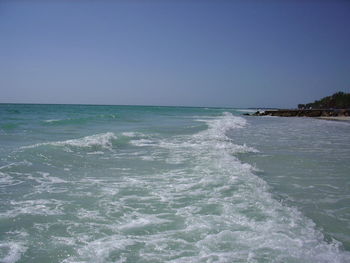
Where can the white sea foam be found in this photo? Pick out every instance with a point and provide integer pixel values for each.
(120, 169)
(5, 180)
(33, 207)
(103, 140)
(99, 250)
(218, 127)
(140, 222)
(13, 251)
(249, 220)
(140, 139)
(96, 153)
(130, 134)
(52, 120)
(46, 183)
(142, 142)
(50, 179)
(215, 137)
(147, 158)
(88, 214)
(24, 163)
(133, 134)
(197, 202)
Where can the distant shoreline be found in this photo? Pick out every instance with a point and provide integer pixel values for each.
(326, 114)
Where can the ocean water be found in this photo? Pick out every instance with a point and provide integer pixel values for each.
(171, 184)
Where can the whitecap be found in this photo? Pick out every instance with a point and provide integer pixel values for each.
(147, 158)
(130, 134)
(145, 220)
(103, 140)
(52, 120)
(99, 250)
(25, 163)
(96, 153)
(6, 180)
(142, 142)
(33, 207)
(14, 251)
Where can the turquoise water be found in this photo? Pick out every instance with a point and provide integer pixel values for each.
(171, 184)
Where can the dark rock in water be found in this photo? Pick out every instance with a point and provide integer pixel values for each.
(305, 113)
(258, 113)
(337, 105)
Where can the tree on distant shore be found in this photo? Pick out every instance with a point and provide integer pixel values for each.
(339, 100)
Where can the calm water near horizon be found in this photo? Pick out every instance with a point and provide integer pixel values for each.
(134, 184)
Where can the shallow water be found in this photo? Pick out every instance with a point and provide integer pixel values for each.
(170, 184)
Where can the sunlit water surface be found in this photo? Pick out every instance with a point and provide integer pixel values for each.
(171, 184)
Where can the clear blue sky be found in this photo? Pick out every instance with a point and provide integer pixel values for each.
(194, 53)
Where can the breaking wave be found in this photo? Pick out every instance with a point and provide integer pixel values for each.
(189, 199)
(102, 140)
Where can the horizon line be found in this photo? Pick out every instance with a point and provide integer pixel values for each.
(137, 105)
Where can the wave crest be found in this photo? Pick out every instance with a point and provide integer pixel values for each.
(216, 134)
(103, 140)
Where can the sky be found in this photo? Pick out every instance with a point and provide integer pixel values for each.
(183, 53)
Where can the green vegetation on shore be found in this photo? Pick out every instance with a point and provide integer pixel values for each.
(339, 100)
(337, 105)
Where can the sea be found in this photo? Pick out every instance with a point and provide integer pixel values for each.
(82, 183)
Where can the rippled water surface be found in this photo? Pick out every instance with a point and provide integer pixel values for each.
(171, 184)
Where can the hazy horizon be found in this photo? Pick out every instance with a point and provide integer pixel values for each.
(192, 54)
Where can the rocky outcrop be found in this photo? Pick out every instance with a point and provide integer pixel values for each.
(305, 113)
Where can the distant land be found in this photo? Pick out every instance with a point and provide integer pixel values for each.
(339, 100)
(336, 106)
